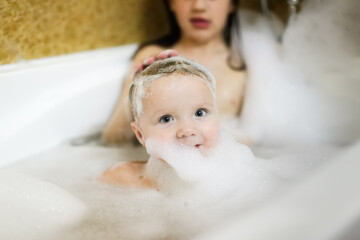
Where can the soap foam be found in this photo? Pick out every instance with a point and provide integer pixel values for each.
(306, 88)
(230, 169)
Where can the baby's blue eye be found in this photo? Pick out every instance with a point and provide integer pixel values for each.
(166, 119)
(200, 112)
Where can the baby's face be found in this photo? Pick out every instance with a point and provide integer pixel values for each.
(182, 110)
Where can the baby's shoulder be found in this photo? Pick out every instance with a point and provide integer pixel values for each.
(127, 174)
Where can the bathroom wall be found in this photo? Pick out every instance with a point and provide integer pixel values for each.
(31, 29)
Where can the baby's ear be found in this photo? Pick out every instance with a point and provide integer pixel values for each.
(136, 129)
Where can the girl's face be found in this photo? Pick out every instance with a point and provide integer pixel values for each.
(201, 20)
(179, 109)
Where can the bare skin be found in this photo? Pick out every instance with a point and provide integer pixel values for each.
(230, 86)
(128, 174)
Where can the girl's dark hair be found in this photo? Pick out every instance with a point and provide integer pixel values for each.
(232, 36)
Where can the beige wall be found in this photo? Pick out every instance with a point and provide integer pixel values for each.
(31, 29)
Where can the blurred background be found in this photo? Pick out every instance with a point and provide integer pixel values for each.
(31, 29)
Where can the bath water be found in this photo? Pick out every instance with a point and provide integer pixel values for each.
(196, 192)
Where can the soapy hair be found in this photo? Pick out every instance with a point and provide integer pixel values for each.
(161, 68)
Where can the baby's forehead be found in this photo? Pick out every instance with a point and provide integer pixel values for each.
(168, 92)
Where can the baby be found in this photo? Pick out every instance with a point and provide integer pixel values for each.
(173, 101)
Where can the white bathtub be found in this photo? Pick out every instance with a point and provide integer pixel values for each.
(46, 102)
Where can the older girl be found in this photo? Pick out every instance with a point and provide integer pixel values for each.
(203, 30)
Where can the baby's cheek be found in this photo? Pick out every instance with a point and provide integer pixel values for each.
(213, 135)
(161, 135)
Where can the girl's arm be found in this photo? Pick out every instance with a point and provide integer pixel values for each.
(118, 128)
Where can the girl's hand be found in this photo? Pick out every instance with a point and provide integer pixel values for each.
(150, 60)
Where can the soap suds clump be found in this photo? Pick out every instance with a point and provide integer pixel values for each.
(230, 169)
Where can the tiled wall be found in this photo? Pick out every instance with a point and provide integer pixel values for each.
(31, 29)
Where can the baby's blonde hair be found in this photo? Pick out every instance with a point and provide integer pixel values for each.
(162, 68)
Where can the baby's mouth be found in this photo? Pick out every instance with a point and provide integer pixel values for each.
(197, 146)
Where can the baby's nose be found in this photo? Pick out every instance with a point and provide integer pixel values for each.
(186, 130)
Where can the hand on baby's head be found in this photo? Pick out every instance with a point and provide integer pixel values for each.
(150, 60)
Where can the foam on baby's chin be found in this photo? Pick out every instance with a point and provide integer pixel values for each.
(187, 161)
(230, 167)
